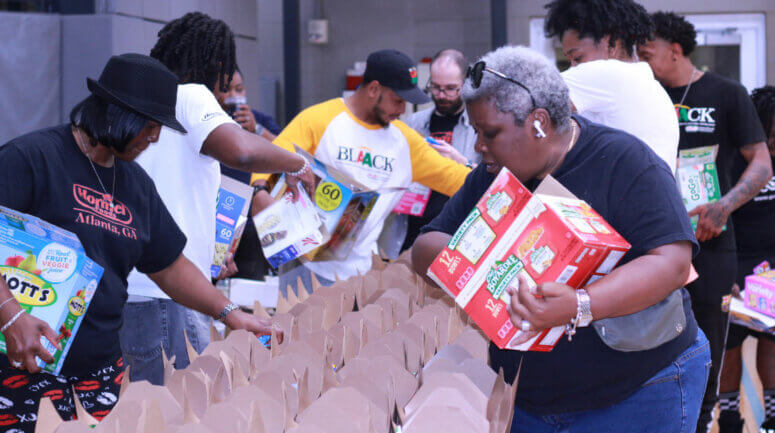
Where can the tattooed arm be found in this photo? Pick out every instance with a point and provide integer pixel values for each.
(713, 216)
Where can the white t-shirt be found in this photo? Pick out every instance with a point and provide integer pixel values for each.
(625, 95)
(187, 180)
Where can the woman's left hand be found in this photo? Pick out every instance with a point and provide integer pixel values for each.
(547, 306)
(239, 319)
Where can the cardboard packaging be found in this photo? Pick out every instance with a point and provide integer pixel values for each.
(760, 290)
(697, 177)
(343, 204)
(547, 236)
(231, 214)
(50, 275)
(414, 201)
(288, 229)
(741, 314)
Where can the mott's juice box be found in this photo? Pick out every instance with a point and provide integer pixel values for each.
(697, 177)
(49, 274)
(546, 236)
(230, 218)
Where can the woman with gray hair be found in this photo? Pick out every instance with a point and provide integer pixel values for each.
(637, 361)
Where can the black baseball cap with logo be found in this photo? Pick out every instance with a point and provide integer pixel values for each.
(396, 71)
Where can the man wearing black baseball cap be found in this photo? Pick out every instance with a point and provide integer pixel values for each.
(361, 136)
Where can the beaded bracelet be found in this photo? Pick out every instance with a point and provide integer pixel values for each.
(302, 170)
(10, 322)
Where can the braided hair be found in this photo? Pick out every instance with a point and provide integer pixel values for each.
(198, 49)
(622, 20)
(764, 101)
(675, 29)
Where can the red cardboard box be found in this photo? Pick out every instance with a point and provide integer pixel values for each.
(547, 236)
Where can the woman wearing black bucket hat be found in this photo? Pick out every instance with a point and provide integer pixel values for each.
(82, 178)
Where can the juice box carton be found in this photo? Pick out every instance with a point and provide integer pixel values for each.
(50, 275)
(343, 204)
(288, 229)
(546, 236)
(760, 290)
(230, 217)
(697, 177)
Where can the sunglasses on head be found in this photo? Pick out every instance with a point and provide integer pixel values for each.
(476, 71)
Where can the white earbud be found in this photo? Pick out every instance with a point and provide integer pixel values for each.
(541, 133)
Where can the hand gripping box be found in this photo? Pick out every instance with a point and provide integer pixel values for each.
(547, 236)
(231, 214)
(697, 177)
(49, 274)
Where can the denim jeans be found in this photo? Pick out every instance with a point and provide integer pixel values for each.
(150, 324)
(289, 276)
(669, 402)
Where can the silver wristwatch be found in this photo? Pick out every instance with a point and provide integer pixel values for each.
(226, 310)
(584, 311)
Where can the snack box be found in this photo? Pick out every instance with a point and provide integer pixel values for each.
(697, 177)
(760, 290)
(231, 214)
(288, 229)
(49, 274)
(414, 200)
(547, 236)
(343, 204)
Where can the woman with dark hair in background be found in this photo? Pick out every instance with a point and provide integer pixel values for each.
(185, 169)
(122, 224)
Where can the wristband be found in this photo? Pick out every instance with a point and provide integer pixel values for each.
(302, 170)
(259, 129)
(11, 322)
(583, 313)
(226, 310)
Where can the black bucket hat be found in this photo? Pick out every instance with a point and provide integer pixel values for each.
(141, 84)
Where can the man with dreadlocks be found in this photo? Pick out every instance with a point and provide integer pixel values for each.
(714, 114)
(185, 168)
(606, 84)
(755, 243)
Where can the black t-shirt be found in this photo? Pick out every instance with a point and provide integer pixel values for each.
(632, 189)
(717, 111)
(753, 220)
(441, 128)
(44, 174)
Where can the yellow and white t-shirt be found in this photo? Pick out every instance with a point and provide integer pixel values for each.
(377, 157)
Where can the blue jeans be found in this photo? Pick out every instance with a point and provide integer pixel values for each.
(289, 276)
(148, 326)
(669, 402)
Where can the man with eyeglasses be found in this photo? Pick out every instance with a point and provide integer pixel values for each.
(446, 123)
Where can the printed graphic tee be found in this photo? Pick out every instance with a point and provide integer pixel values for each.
(718, 111)
(187, 181)
(45, 174)
(378, 157)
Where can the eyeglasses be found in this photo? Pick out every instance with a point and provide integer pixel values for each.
(438, 90)
(476, 71)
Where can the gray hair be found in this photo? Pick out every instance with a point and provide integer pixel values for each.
(533, 70)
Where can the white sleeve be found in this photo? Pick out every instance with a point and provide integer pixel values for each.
(200, 114)
(590, 87)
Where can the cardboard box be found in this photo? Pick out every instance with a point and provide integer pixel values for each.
(288, 229)
(414, 201)
(231, 214)
(697, 177)
(49, 274)
(546, 236)
(343, 204)
(741, 314)
(760, 290)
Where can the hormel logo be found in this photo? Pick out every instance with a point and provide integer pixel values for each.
(413, 75)
(95, 202)
(365, 157)
(502, 274)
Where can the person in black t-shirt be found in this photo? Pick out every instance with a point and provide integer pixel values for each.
(755, 243)
(81, 177)
(712, 111)
(520, 107)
